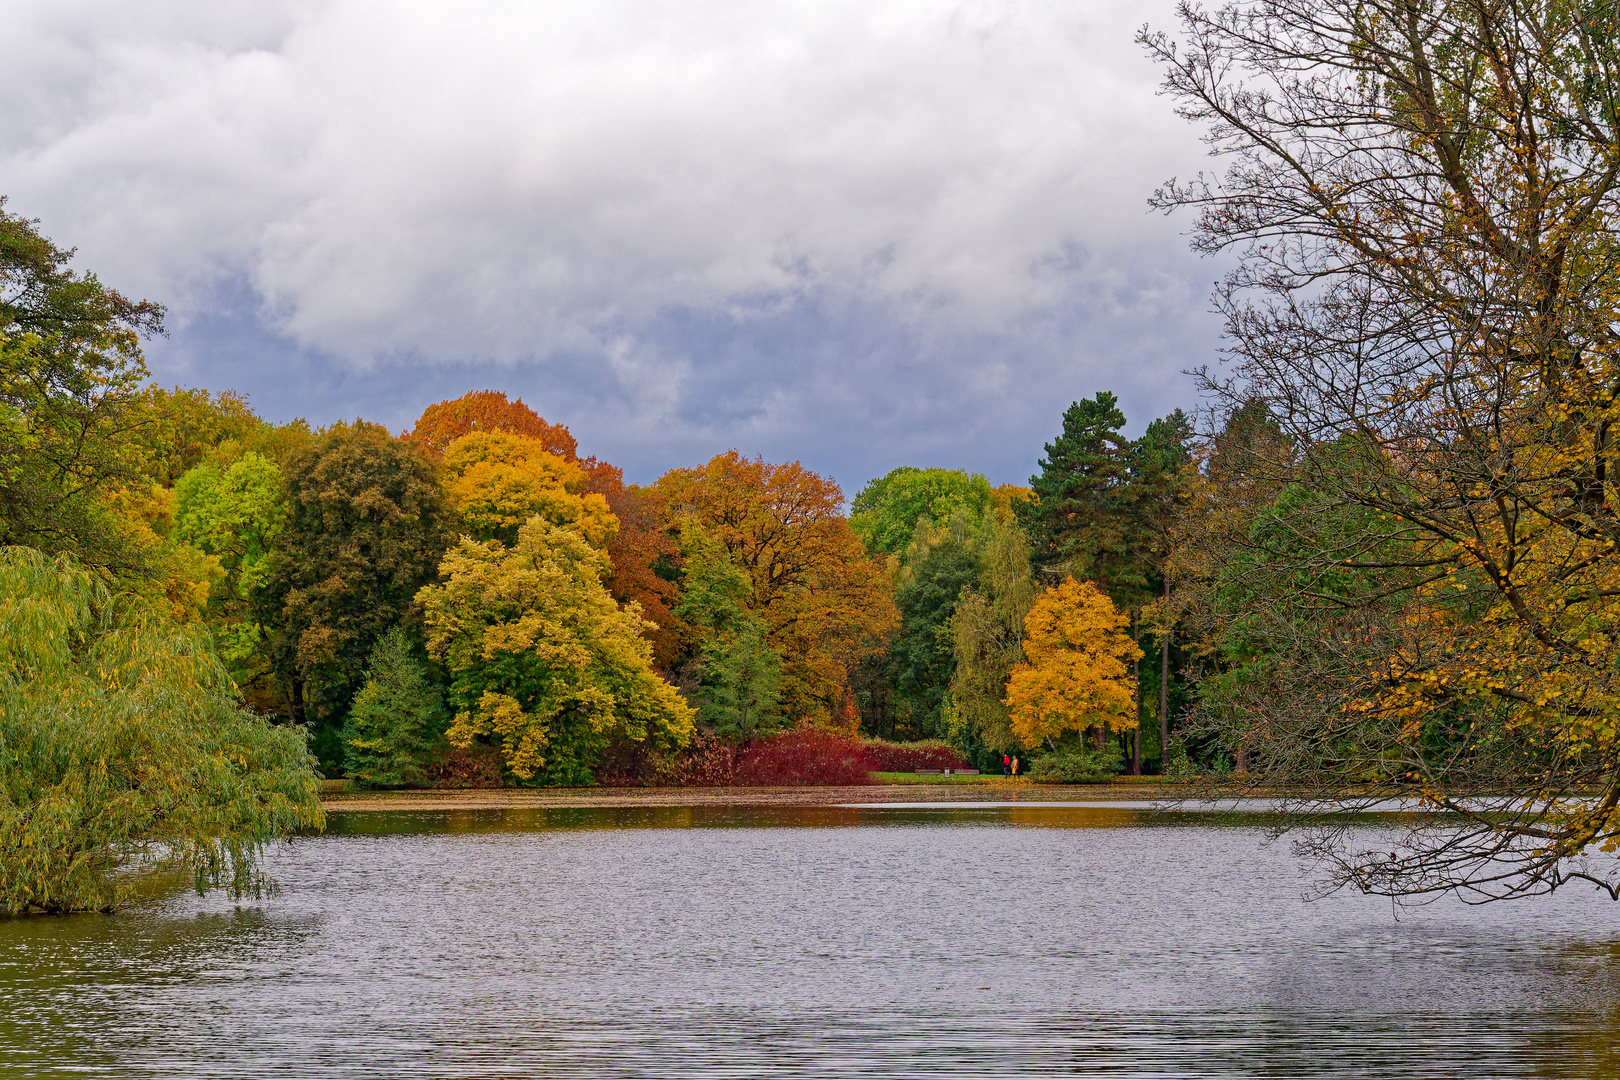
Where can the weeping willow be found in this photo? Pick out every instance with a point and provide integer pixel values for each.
(124, 750)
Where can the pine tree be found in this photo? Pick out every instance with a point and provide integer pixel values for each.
(1082, 521)
(397, 720)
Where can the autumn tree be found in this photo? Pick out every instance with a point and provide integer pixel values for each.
(488, 410)
(1422, 200)
(1076, 674)
(174, 430)
(543, 663)
(365, 528)
(645, 558)
(497, 481)
(823, 599)
(642, 552)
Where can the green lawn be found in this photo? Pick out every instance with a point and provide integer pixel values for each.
(913, 778)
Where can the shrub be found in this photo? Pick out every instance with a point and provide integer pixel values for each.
(1085, 765)
(464, 767)
(884, 756)
(804, 757)
(712, 762)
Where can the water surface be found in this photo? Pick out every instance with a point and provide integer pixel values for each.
(808, 942)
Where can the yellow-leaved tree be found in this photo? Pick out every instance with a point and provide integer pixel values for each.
(1077, 675)
(497, 481)
(543, 663)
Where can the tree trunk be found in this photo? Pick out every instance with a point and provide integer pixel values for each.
(1164, 687)
(1136, 698)
(295, 700)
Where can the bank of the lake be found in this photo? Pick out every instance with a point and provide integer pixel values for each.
(966, 789)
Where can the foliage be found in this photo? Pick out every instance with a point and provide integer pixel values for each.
(542, 662)
(802, 758)
(497, 481)
(640, 550)
(1423, 200)
(939, 564)
(122, 746)
(235, 514)
(487, 410)
(825, 604)
(397, 720)
(472, 766)
(711, 761)
(644, 558)
(883, 756)
(740, 676)
(1082, 519)
(987, 632)
(1080, 764)
(365, 528)
(70, 370)
(1076, 676)
(886, 511)
(176, 429)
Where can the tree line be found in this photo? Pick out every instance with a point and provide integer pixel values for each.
(473, 593)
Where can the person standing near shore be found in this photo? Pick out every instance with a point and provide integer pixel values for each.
(1006, 765)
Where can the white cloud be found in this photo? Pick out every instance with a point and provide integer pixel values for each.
(410, 182)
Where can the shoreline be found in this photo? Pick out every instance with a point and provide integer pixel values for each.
(537, 798)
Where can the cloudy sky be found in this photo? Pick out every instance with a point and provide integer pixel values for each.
(860, 233)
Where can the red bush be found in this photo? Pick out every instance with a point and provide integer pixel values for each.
(884, 756)
(806, 757)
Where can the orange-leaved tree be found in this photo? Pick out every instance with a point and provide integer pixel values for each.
(496, 481)
(488, 410)
(1077, 675)
(638, 552)
(825, 602)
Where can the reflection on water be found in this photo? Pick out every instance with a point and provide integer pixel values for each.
(816, 942)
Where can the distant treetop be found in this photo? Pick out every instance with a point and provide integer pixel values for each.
(488, 410)
(886, 510)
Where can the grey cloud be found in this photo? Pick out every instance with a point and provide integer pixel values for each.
(861, 234)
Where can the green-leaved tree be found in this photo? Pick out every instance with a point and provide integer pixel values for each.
(739, 688)
(366, 526)
(885, 512)
(124, 749)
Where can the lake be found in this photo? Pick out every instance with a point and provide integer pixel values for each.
(872, 941)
